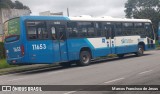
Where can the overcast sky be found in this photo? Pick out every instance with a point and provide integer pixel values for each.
(114, 8)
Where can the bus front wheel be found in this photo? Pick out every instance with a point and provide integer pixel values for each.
(140, 50)
(85, 58)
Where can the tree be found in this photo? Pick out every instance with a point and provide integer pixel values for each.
(5, 3)
(19, 5)
(144, 9)
(10, 4)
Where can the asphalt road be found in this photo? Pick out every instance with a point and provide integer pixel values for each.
(130, 70)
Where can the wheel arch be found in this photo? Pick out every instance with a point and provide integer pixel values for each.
(86, 49)
(142, 44)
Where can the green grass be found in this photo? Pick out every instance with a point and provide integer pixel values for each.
(4, 64)
(157, 45)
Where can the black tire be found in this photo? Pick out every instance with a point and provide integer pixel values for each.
(120, 55)
(85, 58)
(140, 51)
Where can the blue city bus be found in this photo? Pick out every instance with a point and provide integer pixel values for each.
(64, 40)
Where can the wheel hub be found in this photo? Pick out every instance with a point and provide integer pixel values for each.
(85, 59)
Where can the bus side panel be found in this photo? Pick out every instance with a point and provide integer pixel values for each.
(41, 52)
(101, 46)
(126, 44)
(13, 52)
(74, 47)
(97, 46)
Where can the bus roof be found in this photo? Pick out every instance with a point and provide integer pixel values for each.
(44, 18)
(107, 18)
(84, 18)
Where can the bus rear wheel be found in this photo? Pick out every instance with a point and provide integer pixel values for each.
(140, 50)
(85, 58)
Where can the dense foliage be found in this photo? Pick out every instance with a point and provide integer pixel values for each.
(144, 9)
(12, 5)
(2, 51)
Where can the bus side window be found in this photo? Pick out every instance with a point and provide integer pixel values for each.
(149, 30)
(31, 33)
(45, 34)
(61, 33)
(118, 29)
(127, 28)
(36, 30)
(84, 32)
(98, 27)
(109, 31)
(40, 33)
(31, 30)
(53, 31)
(86, 29)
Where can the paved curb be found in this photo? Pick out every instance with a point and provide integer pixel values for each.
(25, 68)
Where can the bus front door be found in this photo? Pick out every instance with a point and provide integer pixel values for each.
(109, 29)
(59, 43)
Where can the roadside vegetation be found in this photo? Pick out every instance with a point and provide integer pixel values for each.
(4, 64)
(157, 45)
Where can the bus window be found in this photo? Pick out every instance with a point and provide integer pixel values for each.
(149, 30)
(36, 30)
(58, 32)
(40, 33)
(98, 27)
(12, 30)
(91, 32)
(86, 29)
(127, 29)
(118, 28)
(61, 33)
(109, 30)
(32, 33)
(84, 32)
(72, 29)
(53, 31)
(75, 32)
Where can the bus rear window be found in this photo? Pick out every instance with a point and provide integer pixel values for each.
(12, 30)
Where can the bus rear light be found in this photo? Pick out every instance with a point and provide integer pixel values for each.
(22, 50)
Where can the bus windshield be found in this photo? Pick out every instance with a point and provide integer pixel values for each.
(12, 30)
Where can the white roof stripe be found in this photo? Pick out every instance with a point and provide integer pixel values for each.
(87, 18)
